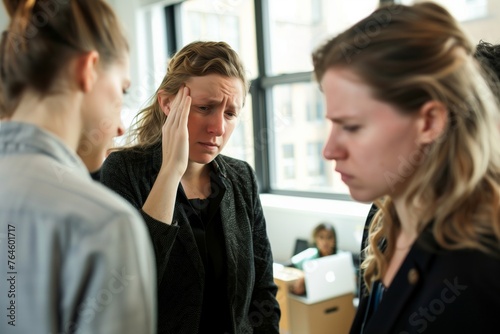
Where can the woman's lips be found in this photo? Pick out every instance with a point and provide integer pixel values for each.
(209, 145)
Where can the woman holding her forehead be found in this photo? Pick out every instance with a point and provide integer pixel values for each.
(414, 130)
(202, 209)
(76, 258)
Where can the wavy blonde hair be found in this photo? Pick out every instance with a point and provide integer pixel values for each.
(196, 59)
(410, 55)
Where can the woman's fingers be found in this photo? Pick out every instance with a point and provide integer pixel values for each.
(175, 139)
(183, 108)
(180, 107)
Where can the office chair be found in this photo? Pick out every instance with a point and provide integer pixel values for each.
(300, 245)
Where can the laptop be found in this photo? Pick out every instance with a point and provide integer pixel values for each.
(328, 277)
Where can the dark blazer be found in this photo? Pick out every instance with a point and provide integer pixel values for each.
(437, 291)
(364, 242)
(251, 288)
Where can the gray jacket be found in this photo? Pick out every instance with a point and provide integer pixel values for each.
(251, 288)
(76, 258)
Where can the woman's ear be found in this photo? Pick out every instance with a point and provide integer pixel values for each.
(86, 70)
(433, 119)
(164, 102)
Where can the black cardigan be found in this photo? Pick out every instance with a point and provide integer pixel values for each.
(251, 289)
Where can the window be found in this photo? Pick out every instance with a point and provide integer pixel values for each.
(231, 21)
(152, 56)
(288, 162)
(292, 30)
(282, 129)
(315, 112)
(296, 27)
(315, 162)
(463, 10)
(296, 110)
(477, 17)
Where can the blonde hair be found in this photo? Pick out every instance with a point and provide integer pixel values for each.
(193, 60)
(44, 35)
(410, 55)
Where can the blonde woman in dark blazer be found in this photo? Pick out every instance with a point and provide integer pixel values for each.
(414, 128)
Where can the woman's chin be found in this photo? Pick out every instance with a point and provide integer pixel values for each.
(202, 159)
(93, 167)
(93, 162)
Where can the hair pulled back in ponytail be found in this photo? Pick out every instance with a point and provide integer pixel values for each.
(44, 35)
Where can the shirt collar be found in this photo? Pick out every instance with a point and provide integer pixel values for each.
(17, 137)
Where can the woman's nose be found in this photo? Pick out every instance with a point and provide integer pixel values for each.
(216, 124)
(334, 148)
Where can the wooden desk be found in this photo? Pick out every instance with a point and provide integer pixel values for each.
(283, 276)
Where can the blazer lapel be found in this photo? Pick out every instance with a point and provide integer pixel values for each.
(238, 268)
(401, 290)
(227, 212)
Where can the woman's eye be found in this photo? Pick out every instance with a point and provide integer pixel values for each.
(204, 108)
(351, 128)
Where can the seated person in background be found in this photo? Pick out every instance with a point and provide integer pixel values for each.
(325, 243)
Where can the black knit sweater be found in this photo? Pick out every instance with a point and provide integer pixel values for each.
(181, 271)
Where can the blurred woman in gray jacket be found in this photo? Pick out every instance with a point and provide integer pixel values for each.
(76, 258)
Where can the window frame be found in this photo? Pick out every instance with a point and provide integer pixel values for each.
(262, 102)
(261, 95)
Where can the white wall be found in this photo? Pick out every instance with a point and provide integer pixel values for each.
(289, 218)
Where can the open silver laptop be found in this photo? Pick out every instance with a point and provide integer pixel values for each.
(328, 277)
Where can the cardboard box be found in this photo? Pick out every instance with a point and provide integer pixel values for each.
(326, 317)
